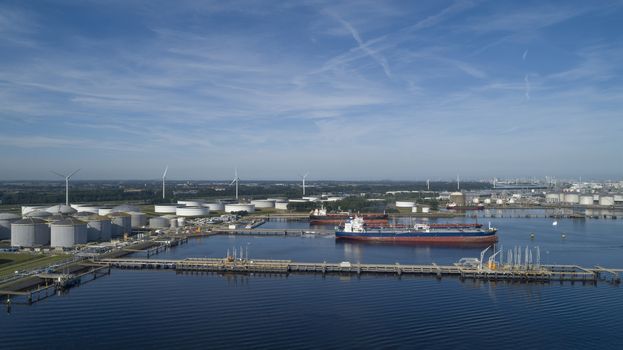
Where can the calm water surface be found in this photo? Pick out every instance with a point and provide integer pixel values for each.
(162, 309)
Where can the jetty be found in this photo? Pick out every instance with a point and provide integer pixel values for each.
(544, 273)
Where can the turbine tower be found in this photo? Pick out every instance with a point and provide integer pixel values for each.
(164, 177)
(458, 183)
(304, 177)
(67, 177)
(236, 181)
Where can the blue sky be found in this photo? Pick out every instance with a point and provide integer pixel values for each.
(342, 89)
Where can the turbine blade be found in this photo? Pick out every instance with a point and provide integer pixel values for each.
(72, 174)
(165, 172)
(233, 182)
(55, 173)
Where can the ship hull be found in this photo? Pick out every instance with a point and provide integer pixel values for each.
(421, 237)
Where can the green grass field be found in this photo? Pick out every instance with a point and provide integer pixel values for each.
(11, 262)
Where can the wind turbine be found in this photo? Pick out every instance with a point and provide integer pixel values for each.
(236, 181)
(164, 177)
(67, 177)
(304, 177)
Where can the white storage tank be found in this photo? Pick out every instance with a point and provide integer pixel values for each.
(121, 224)
(103, 211)
(499, 201)
(159, 222)
(42, 214)
(414, 209)
(425, 210)
(334, 199)
(169, 208)
(99, 228)
(312, 198)
(475, 200)
(67, 233)
(126, 208)
(181, 221)
(28, 208)
(214, 206)
(487, 200)
(281, 205)
(572, 198)
(61, 209)
(586, 199)
(278, 199)
(595, 198)
(89, 209)
(606, 200)
(458, 198)
(234, 208)
(6, 219)
(552, 198)
(137, 219)
(618, 197)
(191, 202)
(192, 211)
(173, 223)
(298, 201)
(405, 204)
(263, 203)
(30, 232)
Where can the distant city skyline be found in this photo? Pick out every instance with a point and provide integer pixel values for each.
(344, 90)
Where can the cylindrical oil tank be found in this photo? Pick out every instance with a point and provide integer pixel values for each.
(499, 201)
(191, 202)
(595, 198)
(103, 211)
(42, 214)
(586, 199)
(281, 205)
(310, 198)
(405, 204)
(606, 200)
(99, 228)
(475, 200)
(166, 208)
(159, 222)
(278, 199)
(137, 219)
(181, 221)
(120, 224)
(487, 200)
(334, 199)
(458, 198)
(28, 208)
(30, 232)
(214, 206)
(61, 209)
(414, 209)
(125, 208)
(263, 203)
(192, 211)
(234, 208)
(89, 209)
(298, 201)
(552, 198)
(425, 210)
(6, 219)
(618, 197)
(173, 223)
(67, 233)
(572, 198)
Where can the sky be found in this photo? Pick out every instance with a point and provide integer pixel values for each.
(344, 90)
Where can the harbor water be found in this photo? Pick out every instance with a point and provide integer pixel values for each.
(165, 309)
